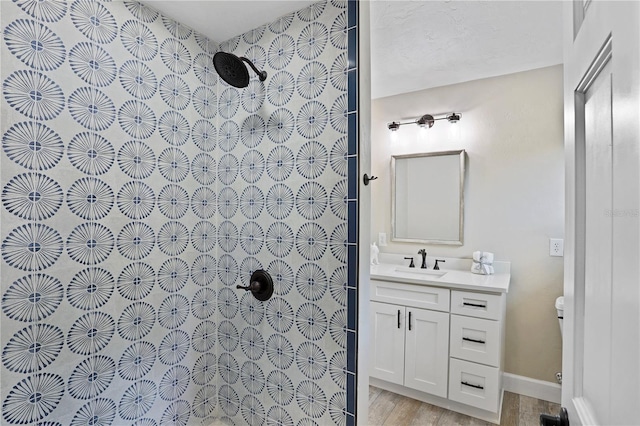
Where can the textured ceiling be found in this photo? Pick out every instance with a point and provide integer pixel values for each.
(221, 20)
(414, 44)
(422, 44)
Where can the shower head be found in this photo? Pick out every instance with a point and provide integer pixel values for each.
(231, 69)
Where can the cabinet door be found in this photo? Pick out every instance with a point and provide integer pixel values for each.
(427, 351)
(387, 342)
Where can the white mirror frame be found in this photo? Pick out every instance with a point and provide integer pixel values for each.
(460, 240)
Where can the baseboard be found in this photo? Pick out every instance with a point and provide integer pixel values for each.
(547, 391)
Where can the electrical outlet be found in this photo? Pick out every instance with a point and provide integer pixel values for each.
(382, 239)
(556, 247)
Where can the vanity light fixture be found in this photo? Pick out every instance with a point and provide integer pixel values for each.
(426, 121)
(393, 126)
(453, 117)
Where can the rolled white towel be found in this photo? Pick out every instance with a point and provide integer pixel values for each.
(374, 254)
(482, 263)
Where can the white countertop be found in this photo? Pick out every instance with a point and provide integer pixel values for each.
(452, 278)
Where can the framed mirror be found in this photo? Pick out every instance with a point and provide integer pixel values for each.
(427, 197)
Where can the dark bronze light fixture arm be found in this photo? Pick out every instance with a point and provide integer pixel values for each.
(427, 121)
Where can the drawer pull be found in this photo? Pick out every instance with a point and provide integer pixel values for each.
(469, 339)
(409, 320)
(398, 318)
(472, 385)
(474, 305)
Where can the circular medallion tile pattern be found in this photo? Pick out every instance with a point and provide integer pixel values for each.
(139, 190)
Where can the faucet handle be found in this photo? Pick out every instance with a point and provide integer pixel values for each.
(436, 267)
(411, 265)
(422, 252)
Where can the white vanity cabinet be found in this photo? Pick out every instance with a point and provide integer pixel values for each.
(410, 347)
(440, 344)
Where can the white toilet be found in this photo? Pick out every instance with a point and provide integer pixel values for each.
(560, 310)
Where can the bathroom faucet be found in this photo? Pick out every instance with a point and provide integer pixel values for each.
(423, 252)
(436, 267)
(411, 265)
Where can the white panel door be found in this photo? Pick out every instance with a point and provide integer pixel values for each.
(598, 249)
(601, 345)
(427, 351)
(387, 342)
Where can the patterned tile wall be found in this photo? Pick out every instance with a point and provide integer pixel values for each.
(283, 161)
(126, 222)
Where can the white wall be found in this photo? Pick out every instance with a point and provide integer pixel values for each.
(512, 130)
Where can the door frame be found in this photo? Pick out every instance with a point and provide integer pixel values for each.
(597, 33)
(575, 237)
(364, 210)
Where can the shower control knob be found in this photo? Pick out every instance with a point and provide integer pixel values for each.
(260, 285)
(255, 286)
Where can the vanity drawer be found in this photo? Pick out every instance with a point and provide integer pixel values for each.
(476, 340)
(479, 305)
(414, 295)
(474, 384)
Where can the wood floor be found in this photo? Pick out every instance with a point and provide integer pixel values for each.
(390, 409)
